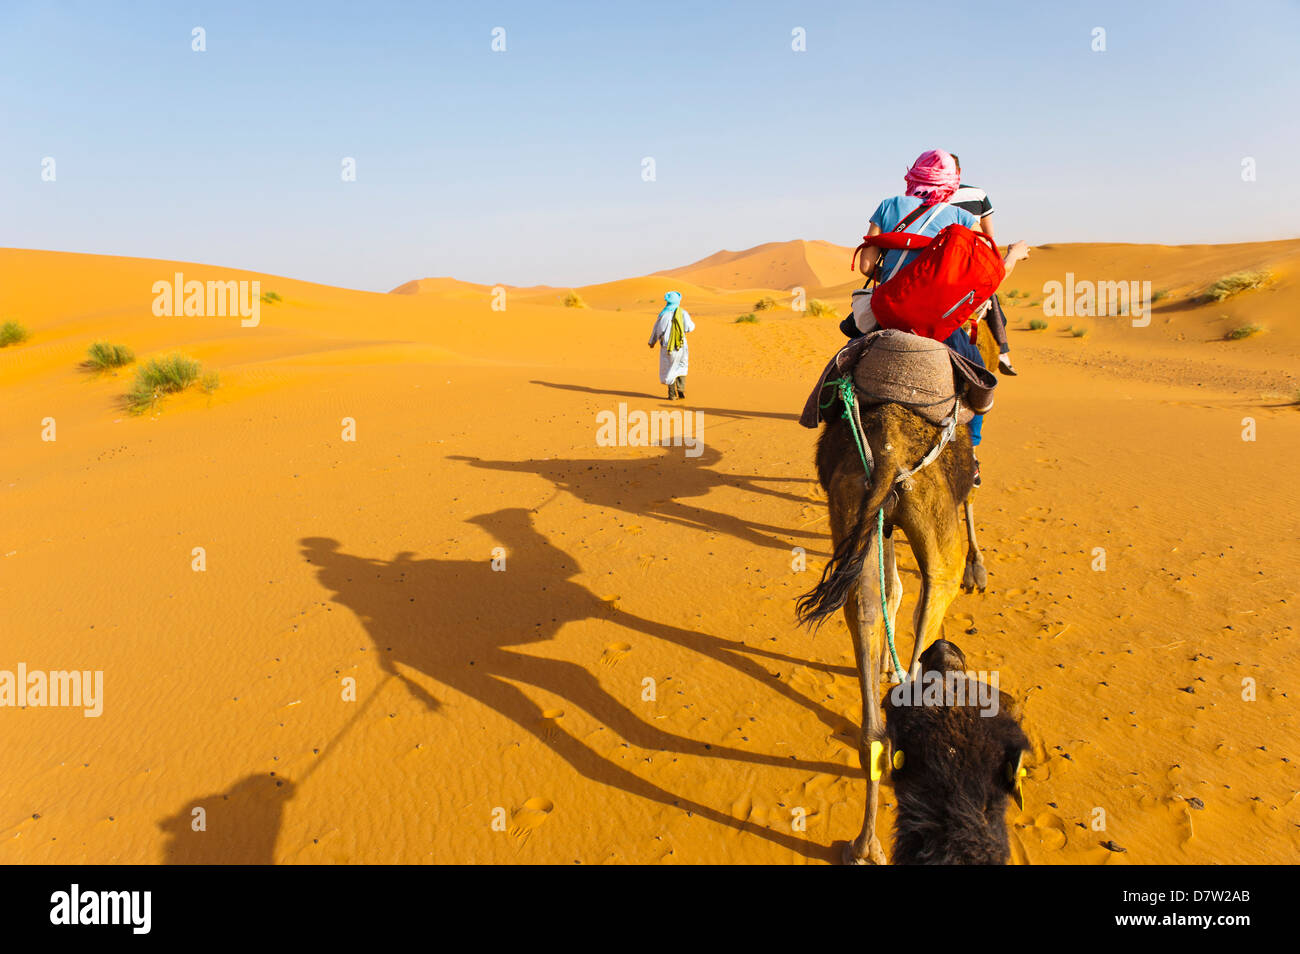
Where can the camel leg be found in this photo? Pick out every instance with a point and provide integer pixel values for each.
(975, 576)
(918, 624)
(936, 596)
(938, 555)
(862, 613)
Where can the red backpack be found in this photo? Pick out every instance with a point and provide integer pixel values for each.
(952, 275)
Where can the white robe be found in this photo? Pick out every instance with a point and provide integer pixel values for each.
(672, 364)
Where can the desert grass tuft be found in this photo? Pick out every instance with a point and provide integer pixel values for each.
(1242, 331)
(12, 333)
(160, 377)
(1237, 282)
(574, 300)
(102, 356)
(1038, 325)
(819, 309)
(749, 319)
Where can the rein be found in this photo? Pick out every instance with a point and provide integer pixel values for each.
(848, 395)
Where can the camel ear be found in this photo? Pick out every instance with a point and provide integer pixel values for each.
(1013, 772)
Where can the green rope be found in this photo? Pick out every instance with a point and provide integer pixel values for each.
(849, 397)
(831, 400)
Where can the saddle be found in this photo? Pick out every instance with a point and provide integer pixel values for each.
(896, 367)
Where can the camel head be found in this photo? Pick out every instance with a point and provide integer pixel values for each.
(956, 764)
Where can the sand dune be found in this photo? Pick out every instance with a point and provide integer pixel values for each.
(503, 715)
(809, 264)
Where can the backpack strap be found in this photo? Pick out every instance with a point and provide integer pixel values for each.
(909, 219)
(902, 226)
(934, 210)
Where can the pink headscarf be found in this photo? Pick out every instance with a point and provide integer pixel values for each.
(933, 177)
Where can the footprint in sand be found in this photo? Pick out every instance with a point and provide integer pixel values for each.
(819, 784)
(614, 652)
(741, 809)
(549, 717)
(1181, 811)
(527, 819)
(1049, 829)
(1176, 808)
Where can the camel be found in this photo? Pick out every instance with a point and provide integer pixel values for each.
(924, 507)
(955, 767)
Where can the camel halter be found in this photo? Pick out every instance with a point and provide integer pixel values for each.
(848, 395)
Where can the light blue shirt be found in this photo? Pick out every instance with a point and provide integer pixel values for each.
(893, 210)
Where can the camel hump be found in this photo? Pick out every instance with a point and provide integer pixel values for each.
(896, 367)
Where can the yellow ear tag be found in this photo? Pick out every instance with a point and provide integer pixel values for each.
(877, 760)
(898, 760)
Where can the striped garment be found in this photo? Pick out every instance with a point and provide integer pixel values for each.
(973, 200)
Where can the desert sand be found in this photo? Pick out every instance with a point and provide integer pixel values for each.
(518, 696)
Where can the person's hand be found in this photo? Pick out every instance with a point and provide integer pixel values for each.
(1017, 251)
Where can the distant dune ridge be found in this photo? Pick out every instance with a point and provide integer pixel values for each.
(519, 695)
(811, 264)
(808, 264)
(772, 265)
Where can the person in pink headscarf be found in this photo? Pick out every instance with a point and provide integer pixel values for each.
(922, 210)
(934, 177)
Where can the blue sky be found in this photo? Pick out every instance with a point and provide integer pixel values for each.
(524, 167)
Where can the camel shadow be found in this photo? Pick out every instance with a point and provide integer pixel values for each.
(238, 826)
(454, 621)
(725, 412)
(656, 486)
